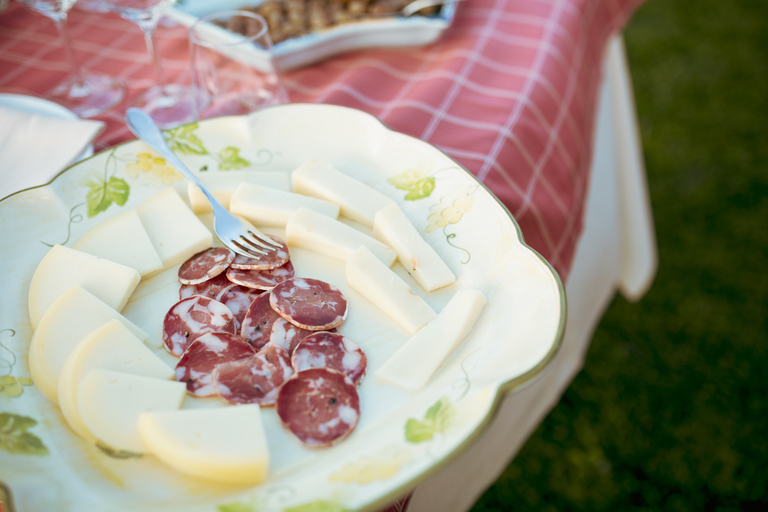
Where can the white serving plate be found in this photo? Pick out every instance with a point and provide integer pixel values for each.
(402, 436)
(315, 47)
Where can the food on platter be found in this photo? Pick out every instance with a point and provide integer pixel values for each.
(245, 333)
(175, 231)
(265, 206)
(392, 227)
(113, 346)
(357, 201)
(324, 235)
(309, 303)
(110, 403)
(223, 184)
(375, 281)
(227, 445)
(124, 240)
(205, 265)
(331, 350)
(62, 267)
(192, 317)
(415, 362)
(72, 317)
(319, 406)
(294, 18)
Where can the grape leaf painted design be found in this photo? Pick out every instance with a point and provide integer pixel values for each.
(437, 419)
(416, 184)
(229, 158)
(183, 139)
(15, 437)
(103, 192)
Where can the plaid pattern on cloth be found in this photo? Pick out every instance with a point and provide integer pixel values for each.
(509, 92)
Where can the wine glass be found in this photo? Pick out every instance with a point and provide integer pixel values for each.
(85, 94)
(168, 104)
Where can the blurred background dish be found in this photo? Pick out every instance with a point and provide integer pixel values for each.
(303, 35)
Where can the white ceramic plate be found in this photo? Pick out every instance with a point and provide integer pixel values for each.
(42, 107)
(317, 46)
(402, 436)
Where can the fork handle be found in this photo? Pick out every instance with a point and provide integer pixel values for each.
(145, 129)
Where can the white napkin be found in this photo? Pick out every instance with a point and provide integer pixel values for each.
(34, 147)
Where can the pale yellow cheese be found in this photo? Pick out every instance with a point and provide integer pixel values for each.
(357, 200)
(62, 267)
(324, 235)
(176, 233)
(392, 227)
(415, 362)
(266, 206)
(110, 347)
(223, 184)
(124, 240)
(110, 404)
(387, 291)
(226, 445)
(72, 317)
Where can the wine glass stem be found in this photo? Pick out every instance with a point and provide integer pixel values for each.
(63, 27)
(154, 54)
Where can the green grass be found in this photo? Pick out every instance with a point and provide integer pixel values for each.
(671, 409)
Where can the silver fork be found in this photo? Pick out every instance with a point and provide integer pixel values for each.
(230, 230)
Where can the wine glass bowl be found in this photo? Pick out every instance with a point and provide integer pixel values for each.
(168, 104)
(85, 94)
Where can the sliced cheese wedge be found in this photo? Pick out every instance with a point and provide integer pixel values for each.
(70, 319)
(226, 445)
(110, 404)
(62, 267)
(176, 233)
(392, 227)
(124, 240)
(324, 235)
(223, 184)
(357, 200)
(416, 361)
(266, 206)
(387, 291)
(110, 347)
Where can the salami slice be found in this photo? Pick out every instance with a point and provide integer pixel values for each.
(331, 350)
(272, 259)
(261, 279)
(204, 354)
(286, 335)
(210, 288)
(192, 317)
(320, 407)
(309, 303)
(258, 320)
(237, 298)
(205, 265)
(255, 380)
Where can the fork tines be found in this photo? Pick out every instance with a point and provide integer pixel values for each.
(254, 245)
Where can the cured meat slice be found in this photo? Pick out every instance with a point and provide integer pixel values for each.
(205, 265)
(192, 317)
(237, 298)
(210, 288)
(258, 320)
(319, 406)
(261, 279)
(204, 354)
(309, 303)
(286, 335)
(272, 259)
(331, 350)
(255, 380)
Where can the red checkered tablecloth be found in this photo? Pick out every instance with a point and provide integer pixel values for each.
(509, 91)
